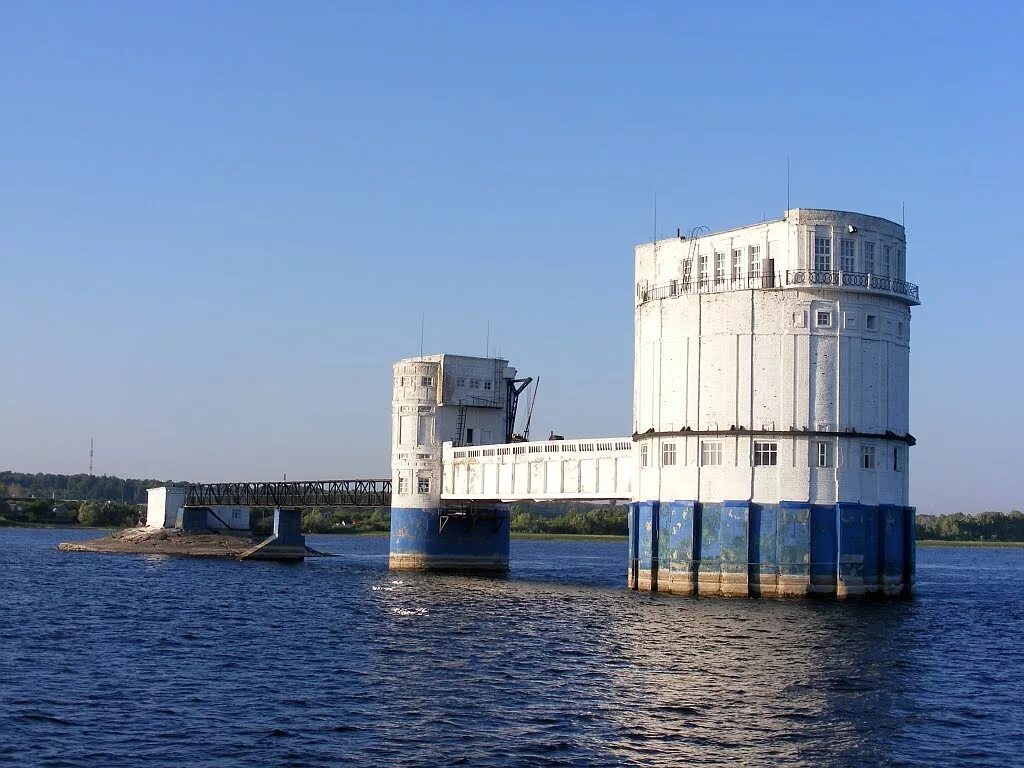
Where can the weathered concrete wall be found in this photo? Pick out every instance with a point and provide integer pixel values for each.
(789, 549)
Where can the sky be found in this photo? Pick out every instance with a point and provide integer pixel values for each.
(221, 223)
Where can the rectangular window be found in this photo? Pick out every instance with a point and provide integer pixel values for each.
(687, 272)
(867, 457)
(822, 254)
(469, 436)
(899, 330)
(487, 385)
(403, 484)
(869, 257)
(823, 319)
(871, 322)
(719, 268)
(710, 453)
(901, 265)
(846, 260)
(704, 271)
(460, 382)
(737, 264)
(668, 454)
(643, 455)
(474, 383)
(755, 261)
(766, 454)
(427, 381)
(423, 484)
(886, 259)
(401, 381)
(822, 454)
(673, 287)
(897, 459)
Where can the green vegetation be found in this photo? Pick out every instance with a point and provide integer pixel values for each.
(77, 487)
(572, 518)
(43, 512)
(986, 527)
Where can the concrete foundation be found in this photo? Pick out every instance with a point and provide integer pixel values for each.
(436, 539)
(790, 549)
(287, 541)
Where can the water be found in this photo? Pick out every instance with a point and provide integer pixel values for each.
(110, 660)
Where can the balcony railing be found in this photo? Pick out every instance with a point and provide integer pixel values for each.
(794, 277)
(853, 280)
(709, 285)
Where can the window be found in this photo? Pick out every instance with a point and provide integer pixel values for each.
(822, 458)
(474, 383)
(886, 259)
(460, 382)
(427, 381)
(901, 266)
(704, 270)
(423, 484)
(846, 261)
(871, 322)
(687, 272)
(469, 436)
(755, 261)
(668, 454)
(822, 254)
(487, 385)
(899, 330)
(673, 287)
(234, 515)
(710, 453)
(737, 263)
(766, 454)
(403, 484)
(897, 459)
(401, 381)
(643, 455)
(867, 457)
(869, 257)
(823, 319)
(719, 268)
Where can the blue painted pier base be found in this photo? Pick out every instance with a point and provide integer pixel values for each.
(789, 549)
(473, 539)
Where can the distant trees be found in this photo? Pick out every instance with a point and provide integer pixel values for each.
(988, 526)
(109, 514)
(82, 486)
(583, 520)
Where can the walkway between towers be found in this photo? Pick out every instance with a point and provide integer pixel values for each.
(549, 470)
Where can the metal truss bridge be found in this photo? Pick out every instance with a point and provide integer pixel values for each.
(311, 493)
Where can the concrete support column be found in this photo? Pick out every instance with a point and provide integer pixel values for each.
(794, 548)
(735, 548)
(438, 539)
(678, 547)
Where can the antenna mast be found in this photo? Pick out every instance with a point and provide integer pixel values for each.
(91, 446)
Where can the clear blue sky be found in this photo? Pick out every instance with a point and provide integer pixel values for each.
(220, 222)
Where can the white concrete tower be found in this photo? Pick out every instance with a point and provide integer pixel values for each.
(438, 399)
(771, 409)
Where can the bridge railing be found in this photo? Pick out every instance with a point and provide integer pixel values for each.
(594, 468)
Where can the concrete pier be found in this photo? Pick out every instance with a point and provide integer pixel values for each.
(439, 539)
(790, 549)
(287, 541)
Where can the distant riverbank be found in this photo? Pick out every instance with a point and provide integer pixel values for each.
(941, 543)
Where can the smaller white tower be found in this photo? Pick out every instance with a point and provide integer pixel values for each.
(438, 399)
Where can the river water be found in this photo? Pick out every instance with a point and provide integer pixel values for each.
(113, 660)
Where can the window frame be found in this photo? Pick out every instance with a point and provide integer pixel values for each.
(668, 454)
(755, 261)
(822, 454)
(737, 263)
(868, 256)
(818, 314)
(867, 457)
(765, 453)
(822, 250)
(643, 456)
(711, 453)
(847, 260)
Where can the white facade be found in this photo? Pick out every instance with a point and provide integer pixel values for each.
(438, 399)
(163, 505)
(772, 363)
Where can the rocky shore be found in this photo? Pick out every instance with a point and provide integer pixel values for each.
(171, 541)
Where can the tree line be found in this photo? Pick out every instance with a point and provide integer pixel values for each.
(78, 487)
(987, 526)
(100, 514)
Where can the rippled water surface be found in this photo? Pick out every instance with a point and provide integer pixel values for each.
(110, 660)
